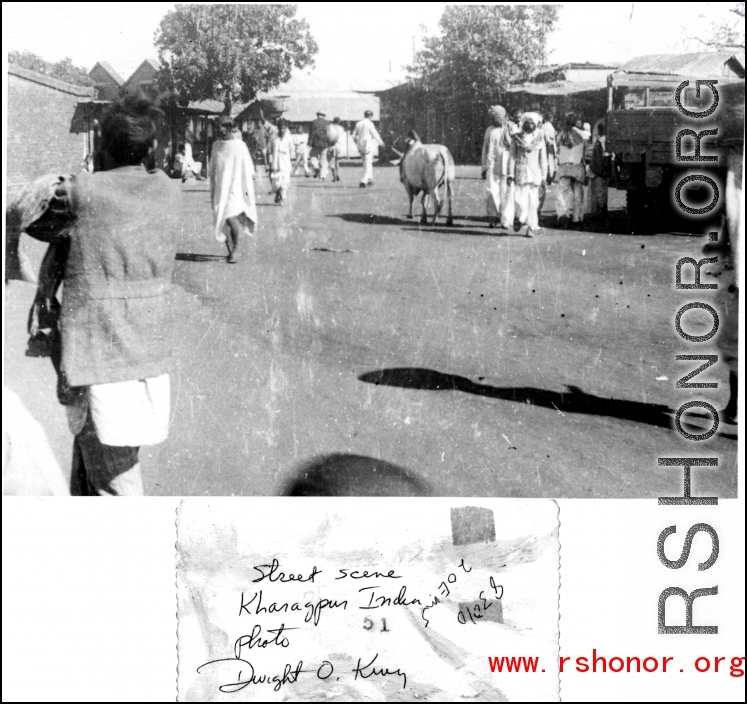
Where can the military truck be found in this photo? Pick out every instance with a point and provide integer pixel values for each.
(642, 123)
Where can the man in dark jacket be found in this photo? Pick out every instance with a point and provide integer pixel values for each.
(318, 142)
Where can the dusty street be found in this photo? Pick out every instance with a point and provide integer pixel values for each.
(482, 362)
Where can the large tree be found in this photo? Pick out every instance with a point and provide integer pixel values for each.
(63, 70)
(727, 33)
(482, 48)
(230, 52)
(479, 50)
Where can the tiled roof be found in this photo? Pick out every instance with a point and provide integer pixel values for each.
(107, 67)
(706, 64)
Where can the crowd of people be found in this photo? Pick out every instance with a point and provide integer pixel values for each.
(523, 154)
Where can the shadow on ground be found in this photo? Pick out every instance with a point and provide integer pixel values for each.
(574, 401)
(354, 475)
(189, 257)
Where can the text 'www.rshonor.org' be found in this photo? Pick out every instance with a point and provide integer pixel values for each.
(597, 663)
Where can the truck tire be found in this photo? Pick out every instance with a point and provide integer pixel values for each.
(643, 208)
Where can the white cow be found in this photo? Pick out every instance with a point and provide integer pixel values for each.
(425, 168)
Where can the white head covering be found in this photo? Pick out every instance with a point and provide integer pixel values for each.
(497, 111)
(535, 117)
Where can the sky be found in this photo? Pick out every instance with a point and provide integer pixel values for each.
(362, 39)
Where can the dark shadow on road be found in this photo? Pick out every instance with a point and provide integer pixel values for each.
(368, 219)
(354, 475)
(574, 401)
(459, 230)
(188, 257)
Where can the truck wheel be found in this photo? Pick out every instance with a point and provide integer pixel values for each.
(643, 209)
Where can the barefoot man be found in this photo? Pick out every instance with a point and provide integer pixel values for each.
(232, 190)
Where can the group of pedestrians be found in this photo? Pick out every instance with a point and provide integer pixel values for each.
(523, 154)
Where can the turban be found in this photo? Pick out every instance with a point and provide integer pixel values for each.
(497, 111)
(533, 117)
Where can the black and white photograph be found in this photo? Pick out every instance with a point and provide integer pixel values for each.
(244, 259)
(411, 330)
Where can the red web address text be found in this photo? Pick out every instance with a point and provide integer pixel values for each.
(598, 663)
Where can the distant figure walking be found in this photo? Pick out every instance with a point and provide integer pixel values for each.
(486, 139)
(366, 138)
(318, 144)
(301, 146)
(281, 162)
(232, 190)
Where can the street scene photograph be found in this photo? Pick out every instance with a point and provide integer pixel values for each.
(372, 249)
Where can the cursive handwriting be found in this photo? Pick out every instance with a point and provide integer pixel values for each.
(377, 602)
(255, 639)
(274, 575)
(290, 676)
(365, 574)
(313, 608)
(369, 670)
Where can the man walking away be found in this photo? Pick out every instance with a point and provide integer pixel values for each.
(528, 167)
(572, 147)
(366, 136)
(232, 190)
(318, 143)
(112, 233)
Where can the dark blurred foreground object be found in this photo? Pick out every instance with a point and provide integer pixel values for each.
(354, 475)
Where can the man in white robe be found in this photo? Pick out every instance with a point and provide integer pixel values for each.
(281, 162)
(500, 199)
(232, 190)
(366, 138)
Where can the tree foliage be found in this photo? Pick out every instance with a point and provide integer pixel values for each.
(483, 48)
(63, 70)
(729, 32)
(230, 52)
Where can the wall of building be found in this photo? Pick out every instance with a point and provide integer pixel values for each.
(47, 130)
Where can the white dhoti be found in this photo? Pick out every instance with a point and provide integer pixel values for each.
(569, 198)
(367, 158)
(501, 199)
(527, 204)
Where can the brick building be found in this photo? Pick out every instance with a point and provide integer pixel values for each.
(49, 125)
